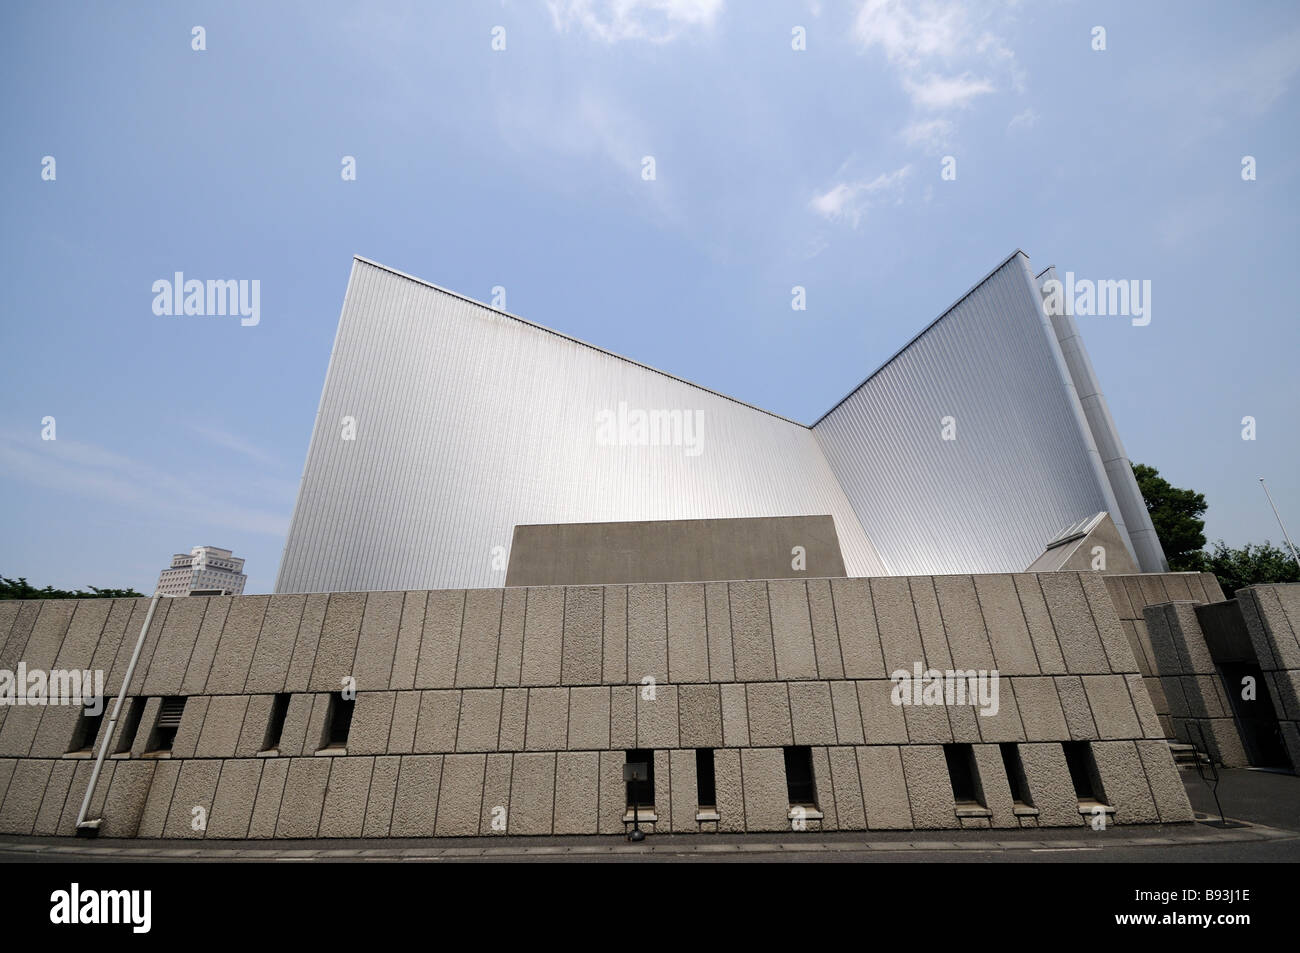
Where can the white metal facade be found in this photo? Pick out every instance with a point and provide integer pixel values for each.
(469, 421)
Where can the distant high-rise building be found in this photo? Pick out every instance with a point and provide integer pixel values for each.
(203, 571)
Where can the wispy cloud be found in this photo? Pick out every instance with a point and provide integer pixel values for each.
(236, 443)
(942, 93)
(655, 21)
(930, 134)
(199, 498)
(849, 201)
(1024, 120)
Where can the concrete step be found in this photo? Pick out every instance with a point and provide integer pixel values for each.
(1186, 754)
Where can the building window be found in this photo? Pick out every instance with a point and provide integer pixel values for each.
(642, 793)
(169, 720)
(1016, 774)
(799, 782)
(338, 722)
(705, 787)
(962, 773)
(1083, 771)
(87, 730)
(275, 726)
(131, 725)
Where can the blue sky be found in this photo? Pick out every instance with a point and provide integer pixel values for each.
(522, 168)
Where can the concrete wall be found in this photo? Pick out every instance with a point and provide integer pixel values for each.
(1130, 595)
(1272, 615)
(517, 705)
(567, 554)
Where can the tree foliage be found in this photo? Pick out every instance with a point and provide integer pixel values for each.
(1176, 514)
(20, 589)
(1251, 565)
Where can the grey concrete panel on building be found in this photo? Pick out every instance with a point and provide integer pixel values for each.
(884, 788)
(1050, 787)
(186, 741)
(688, 638)
(304, 797)
(222, 723)
(270, 794)
(127, 789)
(234, 656)
(460, 795)
(480, 637)
(964, 723)
(848, 714)
(999, 603)
(381, 620)
(768, 708)
(440, 640)
(613, 792)
(684, 787)
(675, 550)
(825, 792)
(812, 713)
(435, 728)
(548, 719)
(336, 654)
(927, 724)
(344, 813)
(1119, 653)
(928, 786)
(480, 719)
(1005, 724)
(1125, 782)
(77, 793)
(767, 803)
(717, 606)
(751, 631)
(274, 652)
(510, 652)
(543, 636)
(577, 792)
(647, 633)
(994, 786)
(7, 766)
(153, 819)
(307, 641)
(383, 793)
(589, 717)
(191, 805)
(1074, 703)
(1112, 706)
(583, 640)
(900, 637)
(415, 803)
(1041, 633)
(964, 623)
(622, 715)
(149, 718)
(410, 633)
(1077, 633)
(700, 716)
(792, 637)
(615, 635)
(175, 646)
(1166, 786)
(930, 623)
(51, 626)
(532, 794)
(372, 720)
(236, 794)
(735, 716)
(882, 720)
(514, 719)
(54, 797)
(494, 818)
(728, 790)
(656, 718)
(406, 715)
(850, 810)
(826, 639)
(318, 724)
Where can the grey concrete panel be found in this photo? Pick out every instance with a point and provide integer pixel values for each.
(583, 639)
(344, 813)
(849, 808)
(238, 641)
(1072, 620)
(306, 642)
(928, 786)
(406, 714)
(884, 788)
(1050, 787)
(514, 719)
(994, 786)
(381, 623)
(768, 706)
(548, 719)
(435, 729)
(266, 807)
(929, 621)
(274, 652)
(614, 627)
(222, 723)
(751, 631)
(336, 654)
(688, 637)
(1006, 725)
(735, 716)
(656, 719)
(236, 794)
(1039, 620)
(372, 720)
(156, 806)
(1074, 703)
(1125, 782)
(510, 650)
(826, 638)
(383, 793)
(825, 791)
(460, 795)
(900, 637)
(415, 804)
(767, 803)
(684, 787)
(792, 637)
(191, 805)
(495, 816)
(480, 719)
(1013, 649)
(1112, 706)
(577, 792)
(589, 718)
(480, 637)
(1166, 785)
(848, 716)
(964, 623)
(700, 716)
(717, 607)
(543, 636)
(882, 720)
(727, 787)
(124, 801)
(1118, 652)
(77, 793)
(532, 794)
(622, 717)
(54, 797)
(812, 713)
(410, 632)
(440, 640)
(647, 633)
(304, 797)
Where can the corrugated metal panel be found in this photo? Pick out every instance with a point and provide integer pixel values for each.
(470, 421)
(1022, 466)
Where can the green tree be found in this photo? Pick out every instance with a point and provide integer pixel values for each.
(20, 589)
(1176, 514)
(1251, 565)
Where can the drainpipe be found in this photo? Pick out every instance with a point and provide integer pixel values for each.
(92, 827)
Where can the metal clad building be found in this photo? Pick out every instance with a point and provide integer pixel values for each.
(469, 421)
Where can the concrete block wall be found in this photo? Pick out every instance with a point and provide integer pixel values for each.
(1200, 709)
(1272, 615)
(1130, 594)
(510, 710)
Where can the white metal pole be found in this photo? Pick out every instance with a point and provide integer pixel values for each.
(1285, 534)
(112, 721)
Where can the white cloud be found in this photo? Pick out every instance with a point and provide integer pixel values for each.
(656, 21)
(931, 134)
(911, 32)
(941, 93)
(850, 201)
(236, 443)
(1026, 119)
